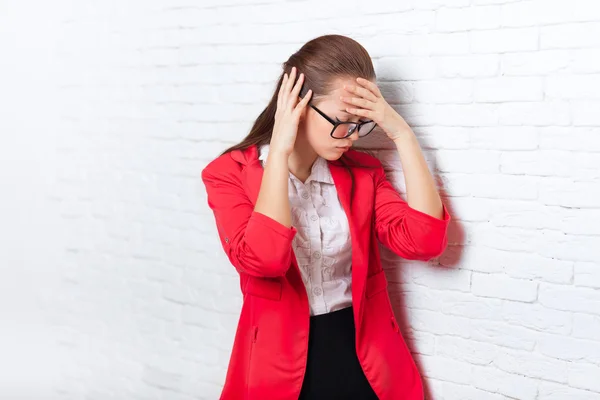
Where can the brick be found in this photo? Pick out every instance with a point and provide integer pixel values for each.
(441, 278)
(446, 369)
(569, 349)
(568, 193)
(504, 40)
(466, 350)
(554, 391)
(466, 115)
(468, 66)
(504, 334)
(536, 317)
(454, 391)
(570, 298)
(585, 112)
(532, 365)
(444, 91)
(567, 86)
(433, 44)
(542, 114)
(500, 286)
(438, 323)
(580, 138)
(521, 187)
(586, 326)
(570, 35)
(497, 381)
(505, 138)
(509, 89)
(584, 376)
(454, 303)
(587, 274)
(536, 63)
(584, 61)
(436, 4)
(469, 160)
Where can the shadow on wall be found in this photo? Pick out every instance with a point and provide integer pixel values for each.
(393, 264)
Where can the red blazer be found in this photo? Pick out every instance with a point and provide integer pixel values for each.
(269, 353)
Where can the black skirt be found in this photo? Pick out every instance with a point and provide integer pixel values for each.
(333, 370)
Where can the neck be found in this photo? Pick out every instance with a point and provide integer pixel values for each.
(302, 158)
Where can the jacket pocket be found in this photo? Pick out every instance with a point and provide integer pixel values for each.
(268, 288)
(377, 284)
(253, 337)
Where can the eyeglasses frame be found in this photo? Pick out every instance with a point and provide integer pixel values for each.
(338, 122)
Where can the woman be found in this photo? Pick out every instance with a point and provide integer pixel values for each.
(299, 214)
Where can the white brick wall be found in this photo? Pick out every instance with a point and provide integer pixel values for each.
(112, 108)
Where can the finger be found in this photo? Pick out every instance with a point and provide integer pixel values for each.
(297, 86)
(361, 112)
(293, 94)
(280, 93)
(291, 81)
(370, 85)
(361, 91)
(302, 103)
(286, 89)
(293, 98)
(362, 103)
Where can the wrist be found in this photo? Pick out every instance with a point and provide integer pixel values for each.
(278, 155)
(397, 128)
(402, 136)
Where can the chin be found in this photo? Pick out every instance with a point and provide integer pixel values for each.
(333, 154)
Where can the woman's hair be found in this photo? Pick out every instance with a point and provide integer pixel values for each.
(322, 60)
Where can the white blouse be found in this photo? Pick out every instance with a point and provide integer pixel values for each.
(322, 244)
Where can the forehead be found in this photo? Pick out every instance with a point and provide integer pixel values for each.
(332, 99)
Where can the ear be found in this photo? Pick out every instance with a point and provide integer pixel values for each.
(303, 114)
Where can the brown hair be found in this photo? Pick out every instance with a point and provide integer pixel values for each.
(322, 60)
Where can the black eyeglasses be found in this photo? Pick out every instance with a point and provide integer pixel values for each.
(339, 131)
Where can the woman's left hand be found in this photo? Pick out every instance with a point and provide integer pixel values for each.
(366, 101)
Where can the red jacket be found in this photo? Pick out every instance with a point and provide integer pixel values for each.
(269, 353)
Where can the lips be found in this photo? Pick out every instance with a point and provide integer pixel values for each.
(344, 148)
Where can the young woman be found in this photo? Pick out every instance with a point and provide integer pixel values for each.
(300, 214)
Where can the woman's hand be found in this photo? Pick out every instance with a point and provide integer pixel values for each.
(365, 100)
(288, 113)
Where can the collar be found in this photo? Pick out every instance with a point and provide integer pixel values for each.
(319, 171)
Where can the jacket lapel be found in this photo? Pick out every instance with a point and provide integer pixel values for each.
(358, 232)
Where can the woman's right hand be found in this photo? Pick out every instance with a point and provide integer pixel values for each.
(288, 114)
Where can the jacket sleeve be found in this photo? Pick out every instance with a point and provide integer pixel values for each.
(409, 233)
(254, 243)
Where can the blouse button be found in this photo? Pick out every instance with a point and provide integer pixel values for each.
(317, 254)
(305, 195)
(317, 291)
(314, 217)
